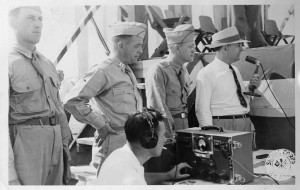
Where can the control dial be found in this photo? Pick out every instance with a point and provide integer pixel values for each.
(201, 143)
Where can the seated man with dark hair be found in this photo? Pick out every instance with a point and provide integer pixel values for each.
(145, 134)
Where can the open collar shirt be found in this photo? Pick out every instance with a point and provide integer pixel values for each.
(121, 167)
(216, 92)
(105, 94)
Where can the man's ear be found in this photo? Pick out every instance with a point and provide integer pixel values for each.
(121, 45)
(176, 47)
(223, 50)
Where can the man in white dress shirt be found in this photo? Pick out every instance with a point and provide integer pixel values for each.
(145, 134)
(219, 86)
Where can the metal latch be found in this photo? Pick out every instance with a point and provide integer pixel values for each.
(236, 144)
(239, 179)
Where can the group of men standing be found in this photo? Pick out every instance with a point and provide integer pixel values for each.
(107, 94)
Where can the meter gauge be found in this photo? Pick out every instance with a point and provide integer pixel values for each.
(202, 144)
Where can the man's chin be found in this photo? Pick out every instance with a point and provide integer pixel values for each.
(159, 154)
(135, 61)
(35, 41)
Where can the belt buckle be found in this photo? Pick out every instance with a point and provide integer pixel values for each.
(183, 115)
(52, 121)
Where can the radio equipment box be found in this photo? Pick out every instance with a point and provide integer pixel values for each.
(221, 157)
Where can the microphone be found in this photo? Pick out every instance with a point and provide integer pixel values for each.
(253, 60)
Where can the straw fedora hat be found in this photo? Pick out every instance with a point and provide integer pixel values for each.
(224, 37)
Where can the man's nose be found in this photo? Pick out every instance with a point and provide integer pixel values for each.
(38, 23)
(140, 50)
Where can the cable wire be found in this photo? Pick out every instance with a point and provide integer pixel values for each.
(261, 175)
(263, 71)
(254, 174)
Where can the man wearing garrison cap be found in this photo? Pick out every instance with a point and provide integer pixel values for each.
(111, 90)
(38, 128)
(167, 85)
(108, 93)
(219, 86)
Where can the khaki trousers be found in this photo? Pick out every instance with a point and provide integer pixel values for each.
(242, 124)
(38, 154)
(180, 123)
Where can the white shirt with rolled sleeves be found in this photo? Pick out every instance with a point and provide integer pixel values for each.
(121, 167)
(216, 92)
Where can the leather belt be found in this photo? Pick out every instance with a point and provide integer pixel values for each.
(231, 116)
(45, 121)
(181, 115)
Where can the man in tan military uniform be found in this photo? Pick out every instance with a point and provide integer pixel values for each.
(38, 127)
(167, 85)
(111, 88)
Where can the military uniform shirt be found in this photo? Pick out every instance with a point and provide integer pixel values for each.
(27, 97)
(164, 91)
(111, 94)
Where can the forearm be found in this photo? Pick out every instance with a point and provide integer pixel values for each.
(168, 119)
(169, 128)
(83, 113)
(12, 173)
(65, 129)
(77, 100)
(204, 91)
(203, 113)
(156, 178)
(204, 117)
(173, 174)
(156, 98)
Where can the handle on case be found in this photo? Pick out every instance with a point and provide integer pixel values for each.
(206, 128)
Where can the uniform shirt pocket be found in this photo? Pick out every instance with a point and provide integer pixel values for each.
(55, 81)
(26, 97)
(123, 98)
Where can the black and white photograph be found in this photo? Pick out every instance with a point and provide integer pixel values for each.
(149, 94)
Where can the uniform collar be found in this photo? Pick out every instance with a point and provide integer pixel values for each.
(118, 63)
(122, 66)
(175, 65)
(23, 50)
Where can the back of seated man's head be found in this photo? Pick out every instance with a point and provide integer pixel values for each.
(142, 126)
